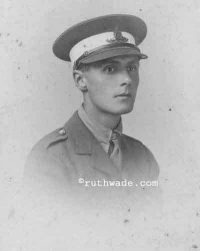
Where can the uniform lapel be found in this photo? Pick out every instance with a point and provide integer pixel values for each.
(131, 168)
(125, 153)
(85, 144)
(102, 162)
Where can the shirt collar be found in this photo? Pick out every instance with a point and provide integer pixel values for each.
(102, 133)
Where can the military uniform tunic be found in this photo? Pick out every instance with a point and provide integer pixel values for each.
(73, 152)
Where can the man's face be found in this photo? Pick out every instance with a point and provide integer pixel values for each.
(112, 84)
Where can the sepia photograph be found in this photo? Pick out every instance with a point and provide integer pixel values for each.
(100, 125)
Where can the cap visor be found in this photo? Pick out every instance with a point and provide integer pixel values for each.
(111, 52)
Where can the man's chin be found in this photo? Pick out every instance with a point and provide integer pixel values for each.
(123, 110)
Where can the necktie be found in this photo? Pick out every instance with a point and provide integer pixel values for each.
(111, 147)
(114, 149)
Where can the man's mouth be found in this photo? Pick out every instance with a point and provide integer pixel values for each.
(124, 94)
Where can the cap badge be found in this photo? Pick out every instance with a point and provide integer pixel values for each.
(118, 38)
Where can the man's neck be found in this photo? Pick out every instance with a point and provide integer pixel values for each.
(109, 121)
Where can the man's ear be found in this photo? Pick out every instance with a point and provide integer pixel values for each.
(80, 80)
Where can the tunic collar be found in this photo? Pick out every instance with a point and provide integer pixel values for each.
(102, 134)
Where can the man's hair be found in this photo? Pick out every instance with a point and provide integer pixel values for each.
(82, 67)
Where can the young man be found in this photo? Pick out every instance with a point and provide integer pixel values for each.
(91, 146)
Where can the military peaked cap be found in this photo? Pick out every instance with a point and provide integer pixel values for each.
(100, 38)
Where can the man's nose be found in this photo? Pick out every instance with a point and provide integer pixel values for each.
(125, 78)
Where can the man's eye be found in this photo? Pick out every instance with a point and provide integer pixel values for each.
(109, 69)
(132, 68)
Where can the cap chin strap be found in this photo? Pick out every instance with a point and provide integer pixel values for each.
(100, 49)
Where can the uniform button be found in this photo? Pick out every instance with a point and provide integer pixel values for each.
(62, 131)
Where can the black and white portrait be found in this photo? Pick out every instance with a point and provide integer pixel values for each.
(100, 125)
